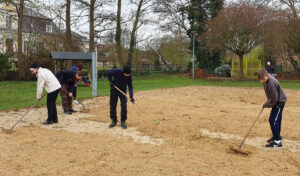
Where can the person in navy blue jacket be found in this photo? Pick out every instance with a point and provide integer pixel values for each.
(74, 69)
(67, 79)
(119, 78)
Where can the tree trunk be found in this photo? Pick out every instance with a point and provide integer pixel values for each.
(92, 36)
(68, 39)
(133, 37)
(241, 66)
(22, 64)
(118, 35)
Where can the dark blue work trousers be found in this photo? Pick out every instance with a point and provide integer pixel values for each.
(275, 121)
(114, 95)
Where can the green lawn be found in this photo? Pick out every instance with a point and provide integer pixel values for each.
(14, 95)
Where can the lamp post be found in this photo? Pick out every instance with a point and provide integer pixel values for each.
(193, 60)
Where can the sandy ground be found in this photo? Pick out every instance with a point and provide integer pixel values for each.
(198, 125)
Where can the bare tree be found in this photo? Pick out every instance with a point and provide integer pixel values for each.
(292, 5)
(142, 7)
(68, 40)
(119, 33)
(237, 29)
(22, 65)
(19, 5)
(173, 18)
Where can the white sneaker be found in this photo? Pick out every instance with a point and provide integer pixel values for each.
(75, 102)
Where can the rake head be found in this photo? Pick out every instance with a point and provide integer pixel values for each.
(238, 151)
(7, 131)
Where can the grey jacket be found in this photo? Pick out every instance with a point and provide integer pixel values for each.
(274, 93)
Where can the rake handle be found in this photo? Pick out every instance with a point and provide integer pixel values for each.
(28, 110)
(134, 103)
(250, 129)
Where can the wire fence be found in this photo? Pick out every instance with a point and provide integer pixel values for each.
(147, 69)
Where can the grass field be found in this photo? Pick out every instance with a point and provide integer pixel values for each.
(14, 95)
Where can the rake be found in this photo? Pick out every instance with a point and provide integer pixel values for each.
(239, 151)
(28, 110)
(155, 120)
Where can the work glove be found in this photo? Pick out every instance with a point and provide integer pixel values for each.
(88, 84)
(132, 100)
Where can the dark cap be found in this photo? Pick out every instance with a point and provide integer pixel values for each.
(127, 70)
(262, 73)
(34, 65)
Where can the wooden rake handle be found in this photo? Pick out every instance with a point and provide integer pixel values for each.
(28, 110)
(250, 129)
(156, 121)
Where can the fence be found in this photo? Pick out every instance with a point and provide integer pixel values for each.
(147, 69)
(251, 67)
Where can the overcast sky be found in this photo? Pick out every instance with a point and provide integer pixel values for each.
(149, 31)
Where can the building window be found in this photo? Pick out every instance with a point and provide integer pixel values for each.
(8, 21)
(48, 28)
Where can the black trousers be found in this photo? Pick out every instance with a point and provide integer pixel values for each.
(51, 106)
(113, 106)
(275, 121)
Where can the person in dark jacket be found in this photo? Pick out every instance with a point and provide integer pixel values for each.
(119, 78)
(276, 100)
(67, 80)
(75, 68)
(269, 68)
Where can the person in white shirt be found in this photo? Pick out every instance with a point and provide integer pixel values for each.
(46, 79)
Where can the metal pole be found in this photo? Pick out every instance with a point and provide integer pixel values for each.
(94, 72)
(193, 54)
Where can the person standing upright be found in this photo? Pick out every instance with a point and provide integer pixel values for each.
(269, 68)
(67, 80)
(276, 100)
(47, 80)
(120, 78)
(75, 68)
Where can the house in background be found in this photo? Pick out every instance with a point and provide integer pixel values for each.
(40, 33)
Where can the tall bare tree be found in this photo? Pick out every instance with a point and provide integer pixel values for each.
(119, 33)
(142, 7)
(19, 5)
(22, 65)
(68, 38)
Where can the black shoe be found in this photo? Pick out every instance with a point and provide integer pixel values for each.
(47, 123)
(55, 122)
(73, 111)
(113, 124)
(123, 125)
(274, 145)
(67, 112)
(272, 139)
